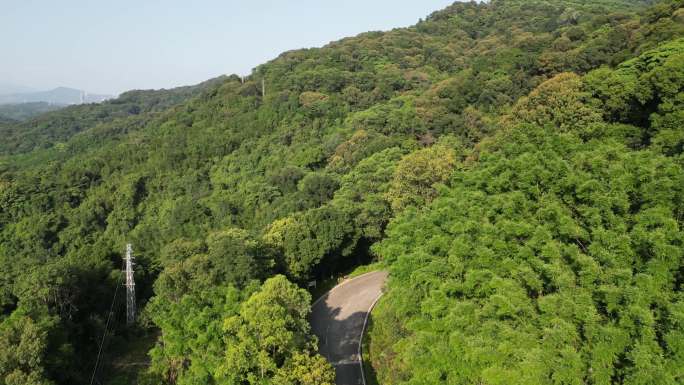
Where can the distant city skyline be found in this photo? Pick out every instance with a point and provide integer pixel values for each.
(111, 47)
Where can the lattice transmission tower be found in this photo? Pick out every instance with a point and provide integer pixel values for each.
(130, 286)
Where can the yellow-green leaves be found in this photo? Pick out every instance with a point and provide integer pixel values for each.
(269, 341)
(417, 174)
(559, 102)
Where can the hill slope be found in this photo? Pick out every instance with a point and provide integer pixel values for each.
(556, 256)
(466, 132)
(46, 130)
(26, 111)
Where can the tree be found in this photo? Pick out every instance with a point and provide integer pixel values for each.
(306, 239)
(417, 174)
(318, 188)
(23, 345)
(304, 369)
(560, 102)
(271, 339)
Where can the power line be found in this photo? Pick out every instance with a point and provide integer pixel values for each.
(104, 335)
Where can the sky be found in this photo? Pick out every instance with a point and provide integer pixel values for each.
(110, 46)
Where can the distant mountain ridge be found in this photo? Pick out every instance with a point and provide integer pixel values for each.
(26, 128)
(58, 96)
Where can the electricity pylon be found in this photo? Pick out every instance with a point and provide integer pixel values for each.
(130, 286)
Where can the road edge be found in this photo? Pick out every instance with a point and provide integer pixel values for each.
(363, 331)
(317, 300)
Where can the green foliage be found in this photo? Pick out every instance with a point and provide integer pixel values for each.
(362, 194)
(555, 258)
(58, 124)
(318, 188)
(417, 174)
(533, 182)
(306, 239)
(23, 345)
(24, 111)
(398, 116)
(270, 338)
(191, 345)
(559, 102)
(219, 334)
(304, 369)
(647, 91)
(361, 145)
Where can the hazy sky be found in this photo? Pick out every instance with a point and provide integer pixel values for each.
(109, 46)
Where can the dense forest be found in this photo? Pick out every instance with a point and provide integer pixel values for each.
(517, 166)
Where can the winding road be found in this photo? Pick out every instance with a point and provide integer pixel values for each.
(338, 319)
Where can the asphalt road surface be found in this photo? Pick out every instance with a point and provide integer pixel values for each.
(338, 320)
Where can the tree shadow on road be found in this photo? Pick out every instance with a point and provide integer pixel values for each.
(338, 340)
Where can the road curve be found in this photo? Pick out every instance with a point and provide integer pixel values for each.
(338, 319)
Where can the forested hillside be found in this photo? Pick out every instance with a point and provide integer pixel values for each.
(516, 165)
(24, 111)
(555, 254)
(47, 130)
